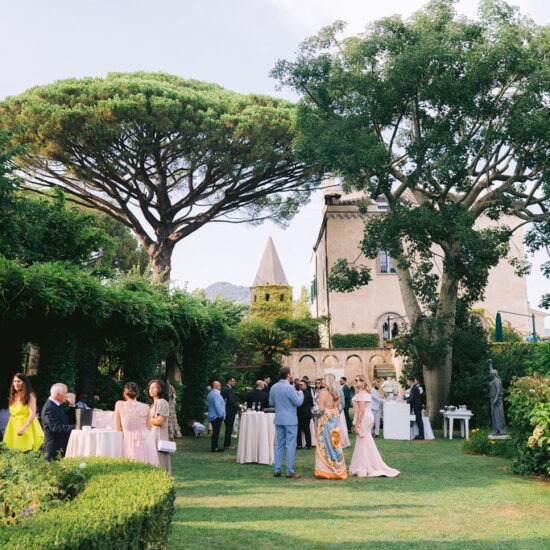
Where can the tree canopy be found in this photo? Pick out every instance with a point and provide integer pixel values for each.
(160, 154)
(447, 120)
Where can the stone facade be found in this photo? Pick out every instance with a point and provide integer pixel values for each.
(371, 363)
(369, 309)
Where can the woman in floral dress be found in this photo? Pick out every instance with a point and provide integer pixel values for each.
(329, 456)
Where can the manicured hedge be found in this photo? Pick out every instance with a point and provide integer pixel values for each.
(124, 505)
(361, 340)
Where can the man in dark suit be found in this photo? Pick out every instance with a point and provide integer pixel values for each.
(258, 395)
(231, 410)
(55, 422)
(304, 416)
(347, 401)
(267, 384)
(415, 402)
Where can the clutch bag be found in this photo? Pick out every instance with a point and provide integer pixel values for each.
(166, 446)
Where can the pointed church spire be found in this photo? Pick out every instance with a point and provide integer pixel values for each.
(270, 271)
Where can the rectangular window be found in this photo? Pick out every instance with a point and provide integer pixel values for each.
(385, 263)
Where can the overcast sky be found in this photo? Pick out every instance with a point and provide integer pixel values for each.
(234, 43)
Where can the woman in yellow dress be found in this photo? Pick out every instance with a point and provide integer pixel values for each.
(23, 431)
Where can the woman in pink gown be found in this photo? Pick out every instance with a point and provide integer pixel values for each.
(132, 419)
(366, 460)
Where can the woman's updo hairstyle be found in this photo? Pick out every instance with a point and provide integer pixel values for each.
(131, 390)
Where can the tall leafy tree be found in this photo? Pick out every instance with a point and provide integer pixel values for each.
(448, 120)
(160, 154)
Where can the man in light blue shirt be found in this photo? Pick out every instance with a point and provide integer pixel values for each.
(216, 413)
(284, 397)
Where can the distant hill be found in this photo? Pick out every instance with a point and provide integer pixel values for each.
(228, 291)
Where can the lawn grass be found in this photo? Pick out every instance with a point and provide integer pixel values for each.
(443, 499)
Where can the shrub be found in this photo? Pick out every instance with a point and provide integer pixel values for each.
(480, 444)
(529, 404)
(29, 484)
(124, 505)
(361, 340)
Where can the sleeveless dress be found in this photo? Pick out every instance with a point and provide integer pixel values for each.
(160, 407)
(329, 456)
(137, 440)
(366, 460)
(32, 438)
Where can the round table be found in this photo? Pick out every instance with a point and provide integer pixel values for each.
(94, 443)
(256, 438)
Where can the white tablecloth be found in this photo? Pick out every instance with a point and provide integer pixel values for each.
(256, 438)
(397, 420)
(95, 443)
(428, 432)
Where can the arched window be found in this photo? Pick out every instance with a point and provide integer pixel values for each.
(281, 298)
(394, 330)
(267, 296)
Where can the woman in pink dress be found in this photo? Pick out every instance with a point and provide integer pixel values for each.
(366, 460)
(132, 419)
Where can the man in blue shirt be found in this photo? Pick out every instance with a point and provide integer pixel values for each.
(284, 397)
(216, 413)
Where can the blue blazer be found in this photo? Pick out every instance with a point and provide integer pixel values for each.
(285, 399)
(56, 429)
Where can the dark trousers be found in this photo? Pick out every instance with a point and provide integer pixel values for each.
(303, 428)
(419, 422)
(229, 423)
(216, 426)
(348, 419)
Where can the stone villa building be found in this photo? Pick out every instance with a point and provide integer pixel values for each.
(378, 308)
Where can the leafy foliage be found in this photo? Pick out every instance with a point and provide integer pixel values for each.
(528, 409)
(184, 152)
(344, 277)
(480, 444)
(447, 120)
(361, 340)
(302, 332)
(31, 485)
(142, 521)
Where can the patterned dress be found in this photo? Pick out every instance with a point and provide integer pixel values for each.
(329, 456)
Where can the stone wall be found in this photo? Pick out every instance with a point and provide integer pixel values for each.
(344, 362)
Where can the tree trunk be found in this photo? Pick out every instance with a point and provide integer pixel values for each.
(160, 257)
(437, 382)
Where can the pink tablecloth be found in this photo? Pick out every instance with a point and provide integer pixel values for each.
(94, 443)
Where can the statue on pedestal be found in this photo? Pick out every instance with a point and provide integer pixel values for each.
(497, 406)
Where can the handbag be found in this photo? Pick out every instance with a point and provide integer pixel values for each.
(166, 446)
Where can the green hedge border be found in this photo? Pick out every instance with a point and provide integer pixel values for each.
(359, 340)
(124, 505)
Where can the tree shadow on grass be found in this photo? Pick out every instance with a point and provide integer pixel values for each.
(212, 537)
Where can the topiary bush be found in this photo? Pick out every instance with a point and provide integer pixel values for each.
(360, 340)
(124, 505)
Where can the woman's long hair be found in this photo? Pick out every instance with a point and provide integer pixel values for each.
(26, 390)
(366, 386)
(332, 387)
(163, 388)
